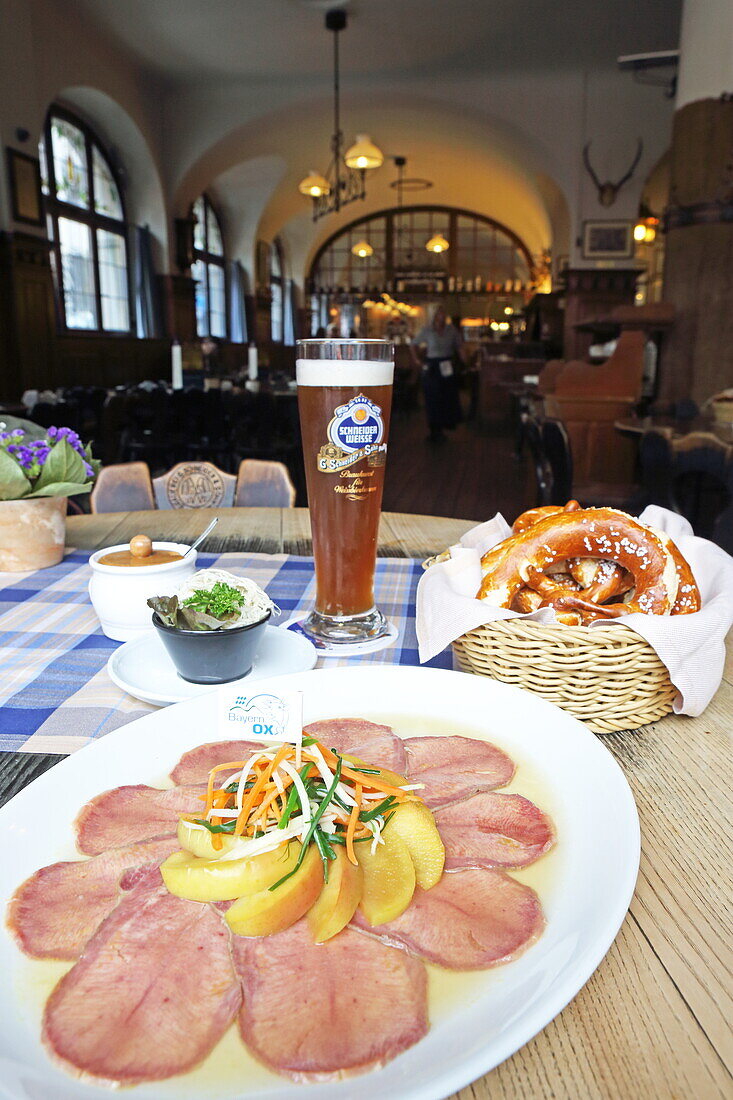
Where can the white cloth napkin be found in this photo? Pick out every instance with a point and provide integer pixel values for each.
(691, 646)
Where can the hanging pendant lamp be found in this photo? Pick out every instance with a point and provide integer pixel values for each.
(345, 179)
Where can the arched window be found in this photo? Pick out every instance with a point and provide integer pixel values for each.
(389, 251)
(277, 299)
(86, 225)
(209, 271)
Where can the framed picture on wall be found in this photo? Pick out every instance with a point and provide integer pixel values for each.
(24, 175)
(607, 240)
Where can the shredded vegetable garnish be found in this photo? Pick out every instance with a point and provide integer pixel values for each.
(309, 793)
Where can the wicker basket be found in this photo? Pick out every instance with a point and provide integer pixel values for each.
(609, 677)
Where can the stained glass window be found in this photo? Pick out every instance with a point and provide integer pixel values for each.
(106, 194)
(86, 226)
(208, 270)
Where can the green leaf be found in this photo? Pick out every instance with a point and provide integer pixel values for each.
(61, 489)
(63, 466)
(13, 482)
(166, 607)
(191, 619)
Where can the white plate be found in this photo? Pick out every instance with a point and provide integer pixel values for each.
(585, 900)
(142, 667)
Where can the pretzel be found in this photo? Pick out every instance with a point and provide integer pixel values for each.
(527, 600)
(525, 558)
(601, 580)
(688, 594)
(533, 515)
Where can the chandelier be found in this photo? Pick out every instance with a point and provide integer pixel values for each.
(345, 178)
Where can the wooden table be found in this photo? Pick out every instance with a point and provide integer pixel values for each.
(676, 428)
(655, 1019)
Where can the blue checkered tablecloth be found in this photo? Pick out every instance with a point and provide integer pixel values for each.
(55, 694)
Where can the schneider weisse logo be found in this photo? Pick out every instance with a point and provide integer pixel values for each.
(356, 425)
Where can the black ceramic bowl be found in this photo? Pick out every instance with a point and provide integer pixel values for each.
(212, 656)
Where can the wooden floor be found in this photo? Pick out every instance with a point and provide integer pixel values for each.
(471, 475)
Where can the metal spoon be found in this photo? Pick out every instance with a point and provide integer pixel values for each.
(201, 537)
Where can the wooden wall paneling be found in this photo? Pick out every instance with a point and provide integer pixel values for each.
(592, 293)
(9, 368)
(32, 319)
(179, 306)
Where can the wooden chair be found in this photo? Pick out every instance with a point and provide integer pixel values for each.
(194, 485)
(532, 436)
(589, 400)
(692, 475)
(559, 456)
(262, 484)
(123, 488)
(558, 453)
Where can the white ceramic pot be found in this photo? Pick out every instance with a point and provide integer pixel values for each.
(119, 593)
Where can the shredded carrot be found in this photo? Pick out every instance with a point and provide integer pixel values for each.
(265, 802)
(259, 785)
(351, 827)
(232, 765)
(371, 781)
(265, 805)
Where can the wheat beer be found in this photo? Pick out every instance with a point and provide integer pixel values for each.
(345, 399)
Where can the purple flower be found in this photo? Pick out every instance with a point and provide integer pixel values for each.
(55, 435)
(18, 433)
(24, 456)
(41, 450)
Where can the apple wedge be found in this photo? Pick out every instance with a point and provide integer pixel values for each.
(200, 842)
(196, 879)
(338, 900)
(415, 825)
(271, 911)
(389, 878)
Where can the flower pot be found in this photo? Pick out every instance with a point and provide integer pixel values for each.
(32, 533)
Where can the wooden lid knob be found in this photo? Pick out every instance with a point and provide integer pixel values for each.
(141, 546)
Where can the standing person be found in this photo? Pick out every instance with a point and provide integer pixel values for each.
(442, 344)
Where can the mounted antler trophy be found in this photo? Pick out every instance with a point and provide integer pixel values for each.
(608, 191)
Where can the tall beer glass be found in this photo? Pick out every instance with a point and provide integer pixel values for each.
(345, 400)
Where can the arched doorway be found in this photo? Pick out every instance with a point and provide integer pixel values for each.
(383, 274)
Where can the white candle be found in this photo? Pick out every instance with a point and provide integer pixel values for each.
(176, 366)
(252, 363)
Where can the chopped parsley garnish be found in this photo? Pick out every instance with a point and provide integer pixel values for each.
(220, 601)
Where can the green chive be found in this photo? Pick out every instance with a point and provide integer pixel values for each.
(228, 828)
(338, 838)
(369, 815)
(293, 797)
(313, 825)
(321, 844)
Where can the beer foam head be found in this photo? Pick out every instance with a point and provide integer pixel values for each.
(343, 372)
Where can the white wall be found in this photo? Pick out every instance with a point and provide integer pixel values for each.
(49, 53)
(507, 145)
(706, 42)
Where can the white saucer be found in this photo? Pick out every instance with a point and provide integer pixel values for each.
(143, 669)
